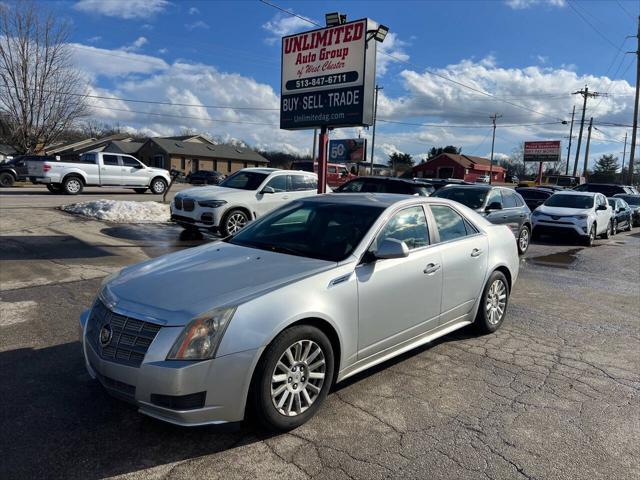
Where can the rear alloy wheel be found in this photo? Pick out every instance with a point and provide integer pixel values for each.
(293, 378)
(493, 306)
(614, 227)
(158, 186)
(72, 186)
(523, 240)
(629, 224)
(233, 222)
(6, 179)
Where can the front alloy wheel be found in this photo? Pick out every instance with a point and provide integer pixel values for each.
(493, 307)
(614, 228)
(589, 239)
(233, 222)
(293, 378)
(158, 186)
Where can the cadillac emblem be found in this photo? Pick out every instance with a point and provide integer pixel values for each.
(105, 335)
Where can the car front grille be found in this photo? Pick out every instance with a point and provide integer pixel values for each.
(130, 338)
(177, 203)
(188, 204)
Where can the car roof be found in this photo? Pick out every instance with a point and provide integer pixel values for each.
(627, 195)
(409, 181)
(534, 189)
(573, 192)
(273, 170)
(373, 199)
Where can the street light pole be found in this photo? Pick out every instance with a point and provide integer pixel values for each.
(373, 136)
(493, 141)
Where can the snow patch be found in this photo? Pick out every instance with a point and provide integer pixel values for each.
(121, 211)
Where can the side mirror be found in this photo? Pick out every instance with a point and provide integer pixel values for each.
(268, 190)
(494, 206)
(392, 248)
(621, 209)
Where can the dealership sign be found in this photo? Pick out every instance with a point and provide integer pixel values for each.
(328, 77)
(351, 150)
(547, 151)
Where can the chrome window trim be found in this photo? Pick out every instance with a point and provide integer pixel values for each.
(479, 231)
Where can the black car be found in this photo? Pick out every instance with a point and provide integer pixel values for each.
(438, 183)
(205, 177)
(385, 185)
(499, 205)
(622, 215)
(607, 189)
(634, 204)
(533, 196)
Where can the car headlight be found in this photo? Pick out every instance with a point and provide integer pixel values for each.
(212, 203)
(536, 213)
(580, 217)
(200, 338)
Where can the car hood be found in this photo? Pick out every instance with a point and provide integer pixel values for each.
(160, 171)
(175, 288)
(213, 192)
(563, 211)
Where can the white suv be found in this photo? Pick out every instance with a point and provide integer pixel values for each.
(584, 214)
(240, 198)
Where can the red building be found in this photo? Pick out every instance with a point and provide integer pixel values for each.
(464, 167)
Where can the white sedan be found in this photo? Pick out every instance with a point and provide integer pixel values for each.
(240, 198)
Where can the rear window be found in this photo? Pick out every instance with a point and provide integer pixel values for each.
(471, 197)
(570, 201)
(110, 159)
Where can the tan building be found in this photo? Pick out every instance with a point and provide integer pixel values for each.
(192, 153)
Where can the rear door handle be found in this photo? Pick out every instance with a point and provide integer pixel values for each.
(432, 268)
(476, 252)
(285, 197)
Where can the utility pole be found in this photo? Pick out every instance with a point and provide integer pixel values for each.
(566, 170)
(585, 94)
(635, 109)
(494, 117)
(373, 136)
(624, 154)
(586, 150)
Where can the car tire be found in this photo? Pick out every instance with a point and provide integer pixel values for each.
(629, 224)
(7, 179)
(614, 227)
(54, 188)
(493, 304)
(281, 400)
(233, 221)
(158, 186)
(523, 240)
(140, 190)
(589, 239)
(607, 233)
(72, 185)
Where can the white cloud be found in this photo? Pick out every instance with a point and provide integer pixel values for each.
(162, 51)
(281, 25)
(542, 59)
(193, 11)
(390, 51)
(95, 39)
(99, 62)
(127, 9)
(196, 25)
(136, 45)
(522, 4)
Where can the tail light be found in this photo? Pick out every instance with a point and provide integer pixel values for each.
(46, 167)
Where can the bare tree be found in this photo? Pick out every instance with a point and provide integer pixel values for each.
(40, 91)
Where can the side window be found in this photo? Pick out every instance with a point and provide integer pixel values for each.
(88, 158)
(450, 224)
(278, 183)
(353, 186)
(110, 159)
(519, 200)
(130, 162)
(494, 196)
(372, 186)
(408, 225)
(312, 183)
(508, 199)
(298, 183)
(332, 170)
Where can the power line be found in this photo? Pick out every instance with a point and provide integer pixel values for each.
(289, 12)
(597, 30)
(625, 10)
(445, 125)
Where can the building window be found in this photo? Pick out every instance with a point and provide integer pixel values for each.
(229, 165)
(182, 163)
(244, 165)
(215, 165)
(195, 165)
(158, 161)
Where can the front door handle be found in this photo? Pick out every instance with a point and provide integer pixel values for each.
(285, 197)
(476, 252)
(432, 268)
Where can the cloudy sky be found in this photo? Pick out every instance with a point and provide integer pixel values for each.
(521, 58)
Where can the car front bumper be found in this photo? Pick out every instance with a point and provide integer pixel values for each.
(215, 390)
(200, 217)
(563, 225)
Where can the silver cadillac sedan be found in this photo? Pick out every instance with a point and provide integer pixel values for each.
(305, 297)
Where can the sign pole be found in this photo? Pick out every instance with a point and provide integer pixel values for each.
(540, 174)
(322, 159)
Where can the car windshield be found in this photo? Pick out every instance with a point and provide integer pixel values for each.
(244, 180)
(322, 230)
(631, 199)
(569, 201)
(471, 197)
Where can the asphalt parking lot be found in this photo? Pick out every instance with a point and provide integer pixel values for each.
(554, 394)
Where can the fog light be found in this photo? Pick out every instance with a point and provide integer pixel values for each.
(207, 217)
(584, 229)
(183, 402)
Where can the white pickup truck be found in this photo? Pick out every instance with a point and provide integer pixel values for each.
(98, 169)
